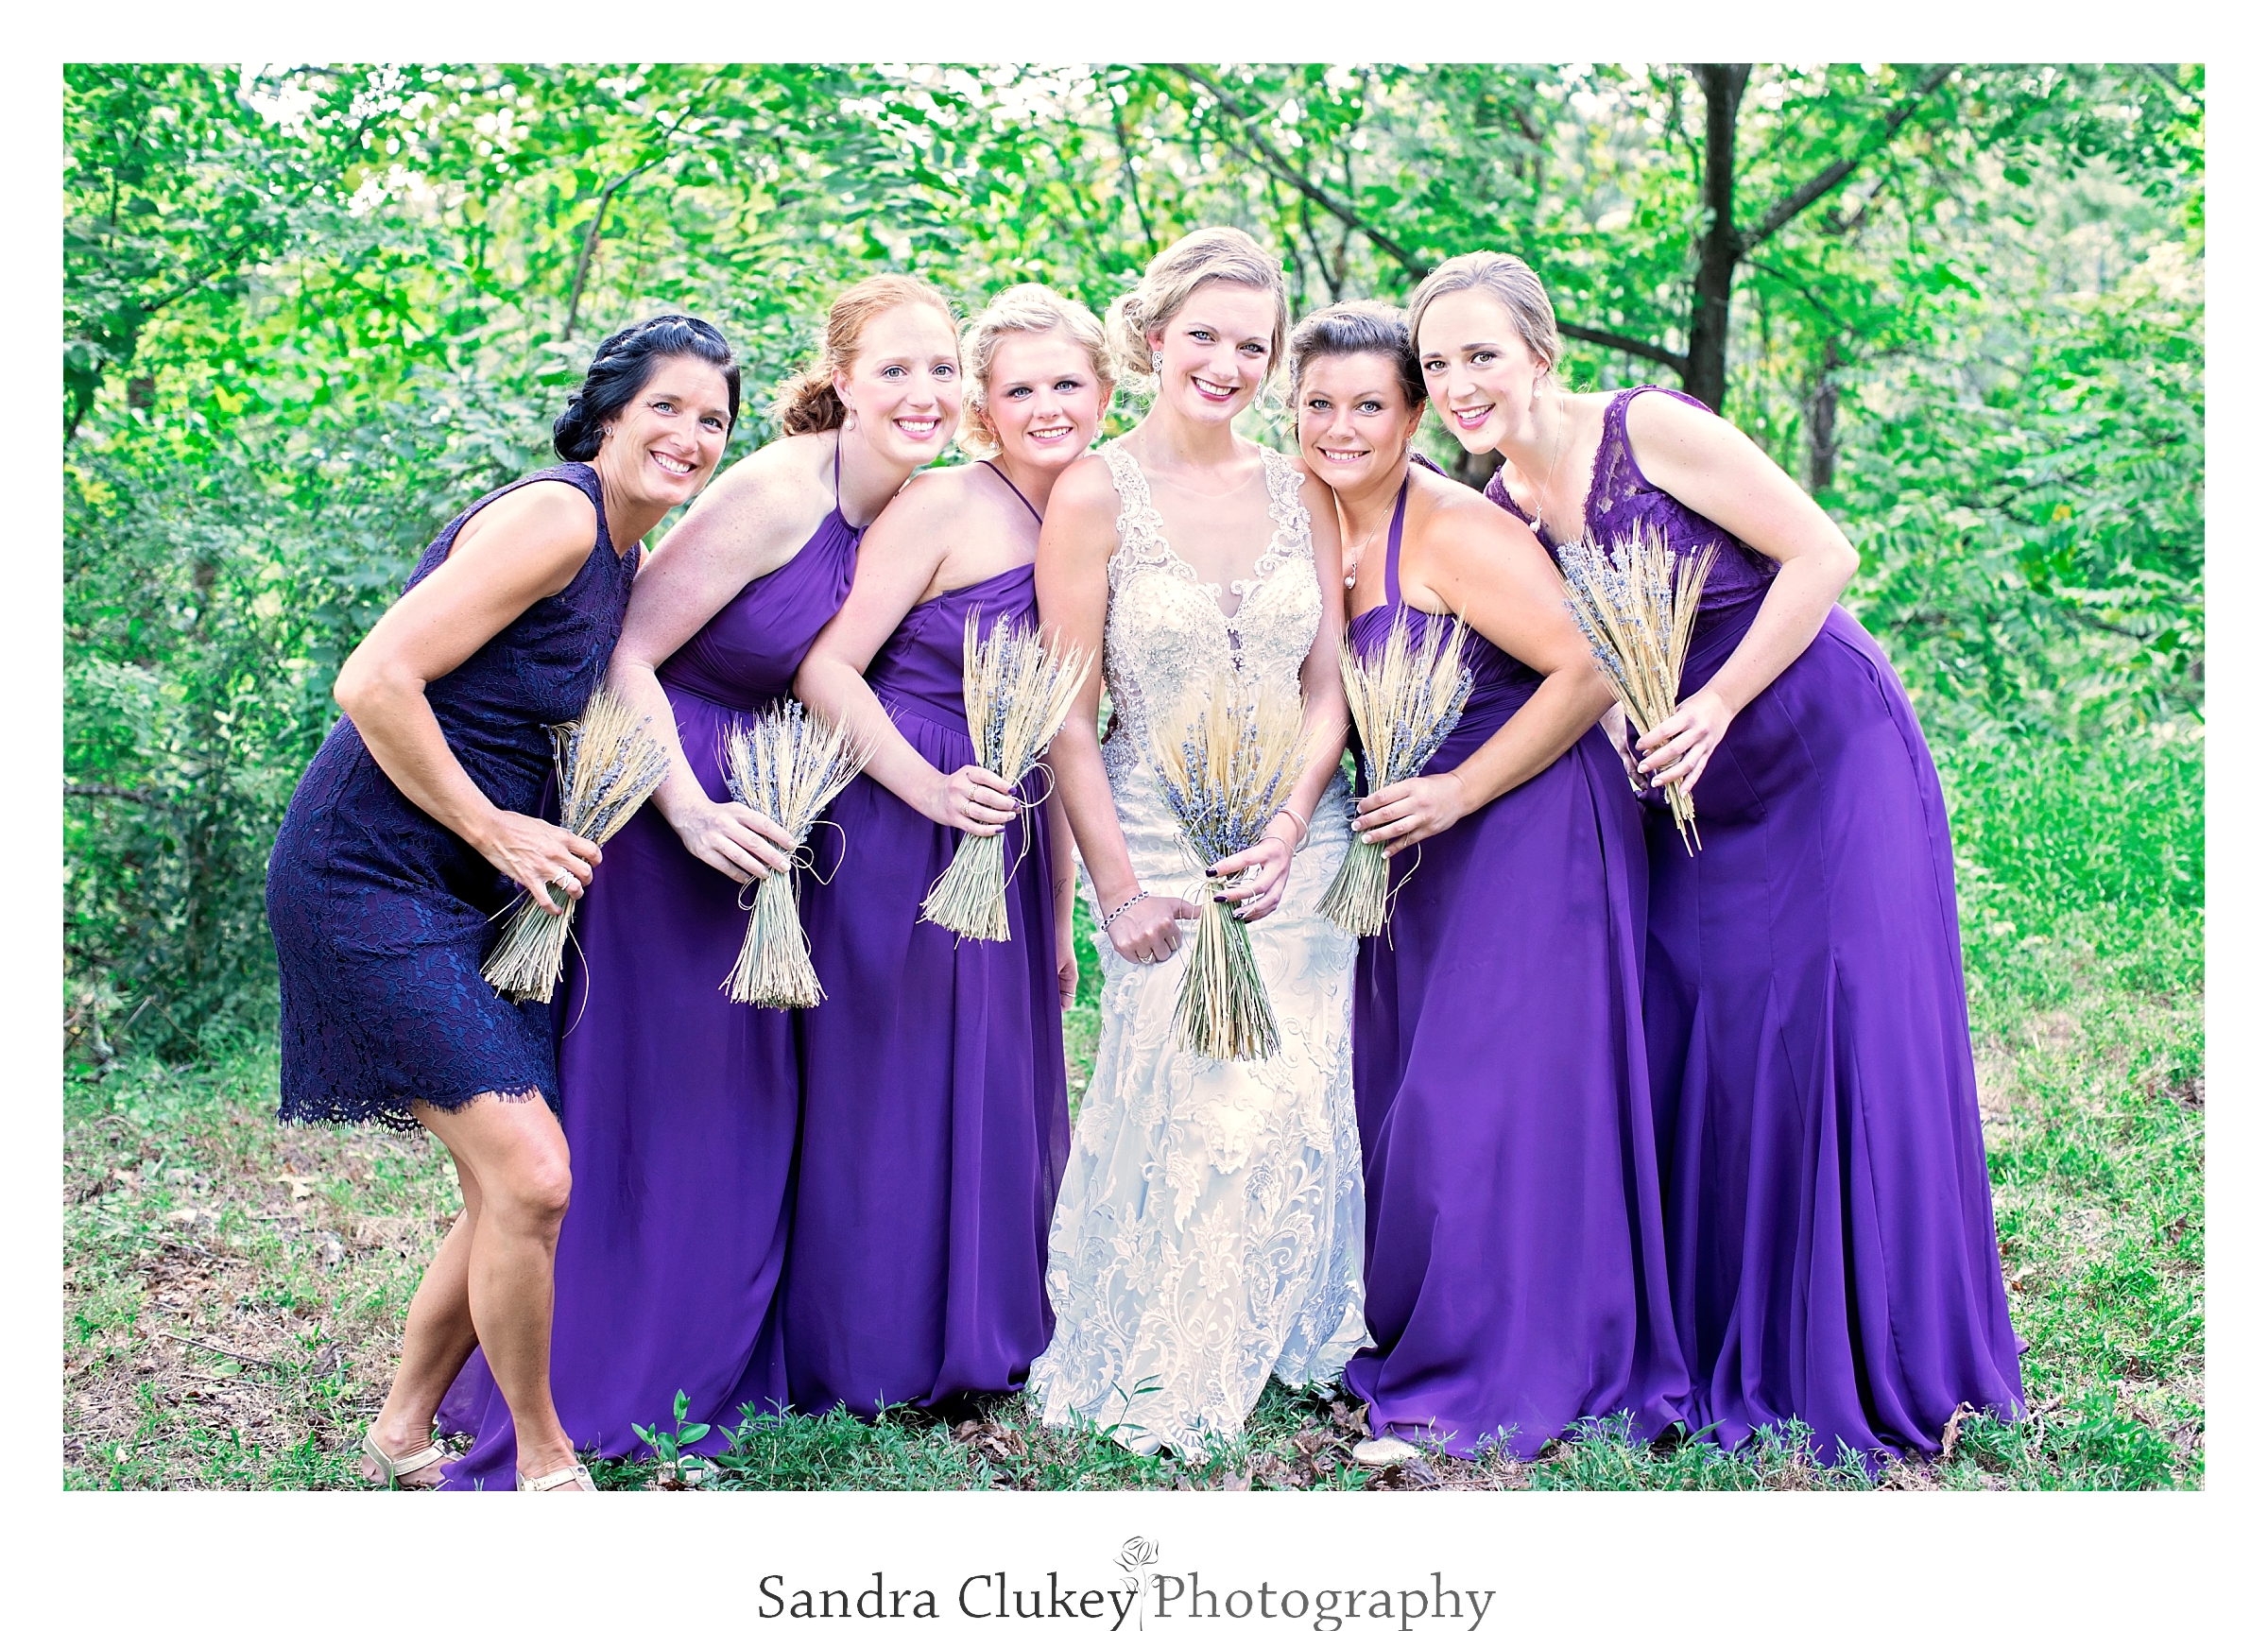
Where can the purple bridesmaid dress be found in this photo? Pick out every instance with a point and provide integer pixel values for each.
(935, 1121)
(1832, 1244)
(1515, 1271)
(679, 1104)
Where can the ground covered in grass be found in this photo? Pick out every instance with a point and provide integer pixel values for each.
(233, 1290)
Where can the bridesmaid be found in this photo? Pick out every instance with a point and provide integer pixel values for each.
(1831, 1248)
(936, 1121)
(1517, 1282)
(681, 1105)
(387, 872)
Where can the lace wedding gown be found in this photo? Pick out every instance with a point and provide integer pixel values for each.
(1210, 1229)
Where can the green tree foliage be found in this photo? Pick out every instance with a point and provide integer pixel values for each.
(312, 312)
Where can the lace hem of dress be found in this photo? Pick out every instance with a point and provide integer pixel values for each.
(341, 1109)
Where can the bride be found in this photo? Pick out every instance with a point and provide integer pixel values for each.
(1209, 1229)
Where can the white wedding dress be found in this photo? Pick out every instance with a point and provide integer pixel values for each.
(1210, 1229)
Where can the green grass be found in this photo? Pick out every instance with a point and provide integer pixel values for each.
(234, 1290)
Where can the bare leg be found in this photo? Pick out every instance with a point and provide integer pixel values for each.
(513, 1155)
(435, 1344)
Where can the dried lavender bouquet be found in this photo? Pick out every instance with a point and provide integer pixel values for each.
(1017, 688)
(786, 765)
(1227, 763)
(1635, 602)
(607, 764)
(1405, 698)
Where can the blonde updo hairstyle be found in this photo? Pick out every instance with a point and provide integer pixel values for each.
(1515, 285)
(809, 402)
(1176, 272)
(1025, 309)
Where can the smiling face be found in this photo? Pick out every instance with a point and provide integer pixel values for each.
(1217, 351)
(1042, 401)
(1480, 375)
(1353, 421)
(904, 385)
(663, 447)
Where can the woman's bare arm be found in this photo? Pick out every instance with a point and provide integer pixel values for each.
(518, 550)
(1471, 558)
(1707, 464)
(748, 525)
(898, 562)
(1073, 576)
(1064, 882)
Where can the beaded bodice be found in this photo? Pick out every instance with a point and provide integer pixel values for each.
(1166, 635)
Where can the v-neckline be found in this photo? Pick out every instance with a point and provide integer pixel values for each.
(1213, 591)
(1543, 528)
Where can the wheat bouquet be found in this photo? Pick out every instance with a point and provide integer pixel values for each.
(1406, 697)
(788, 765)
(1635, 604)
(607, 764)
(1227, 763)
(1017, 688)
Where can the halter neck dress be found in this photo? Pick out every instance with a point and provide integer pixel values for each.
(1517, 1273)
(935, 1119)
(382, 916)
(1831, 1246)
(679, 1104)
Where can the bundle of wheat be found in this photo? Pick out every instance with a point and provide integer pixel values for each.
(1227, 763)
(1017, 688)
(607, 764)
(1635, 604)
(1406, 697)
(788, 765)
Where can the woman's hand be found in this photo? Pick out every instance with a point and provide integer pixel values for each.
(1067, 969)
(735, 839)
(1616, 724)
(1678, 749)
(538, 857)
(1407, 813)
(973, 799)
(1150, 930)
(1260, 872)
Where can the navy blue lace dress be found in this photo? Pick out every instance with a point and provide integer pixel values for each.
(382, 915)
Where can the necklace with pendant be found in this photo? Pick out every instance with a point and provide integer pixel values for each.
(1355, 565)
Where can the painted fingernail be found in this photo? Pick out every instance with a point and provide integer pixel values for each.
(1220, 900)
(1211, 873)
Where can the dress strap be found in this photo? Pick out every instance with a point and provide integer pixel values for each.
(1401, 503)
(994, 467)
(1624, 459)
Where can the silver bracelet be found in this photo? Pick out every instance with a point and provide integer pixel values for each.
(1112, 915)
(1287, 810)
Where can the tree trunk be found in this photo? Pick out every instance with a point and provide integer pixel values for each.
(1722, 85)
(1819, 420)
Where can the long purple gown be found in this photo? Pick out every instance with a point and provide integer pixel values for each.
(1515, 1271)
(1832, 1244)
(679, 1104)
(936, 1122)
